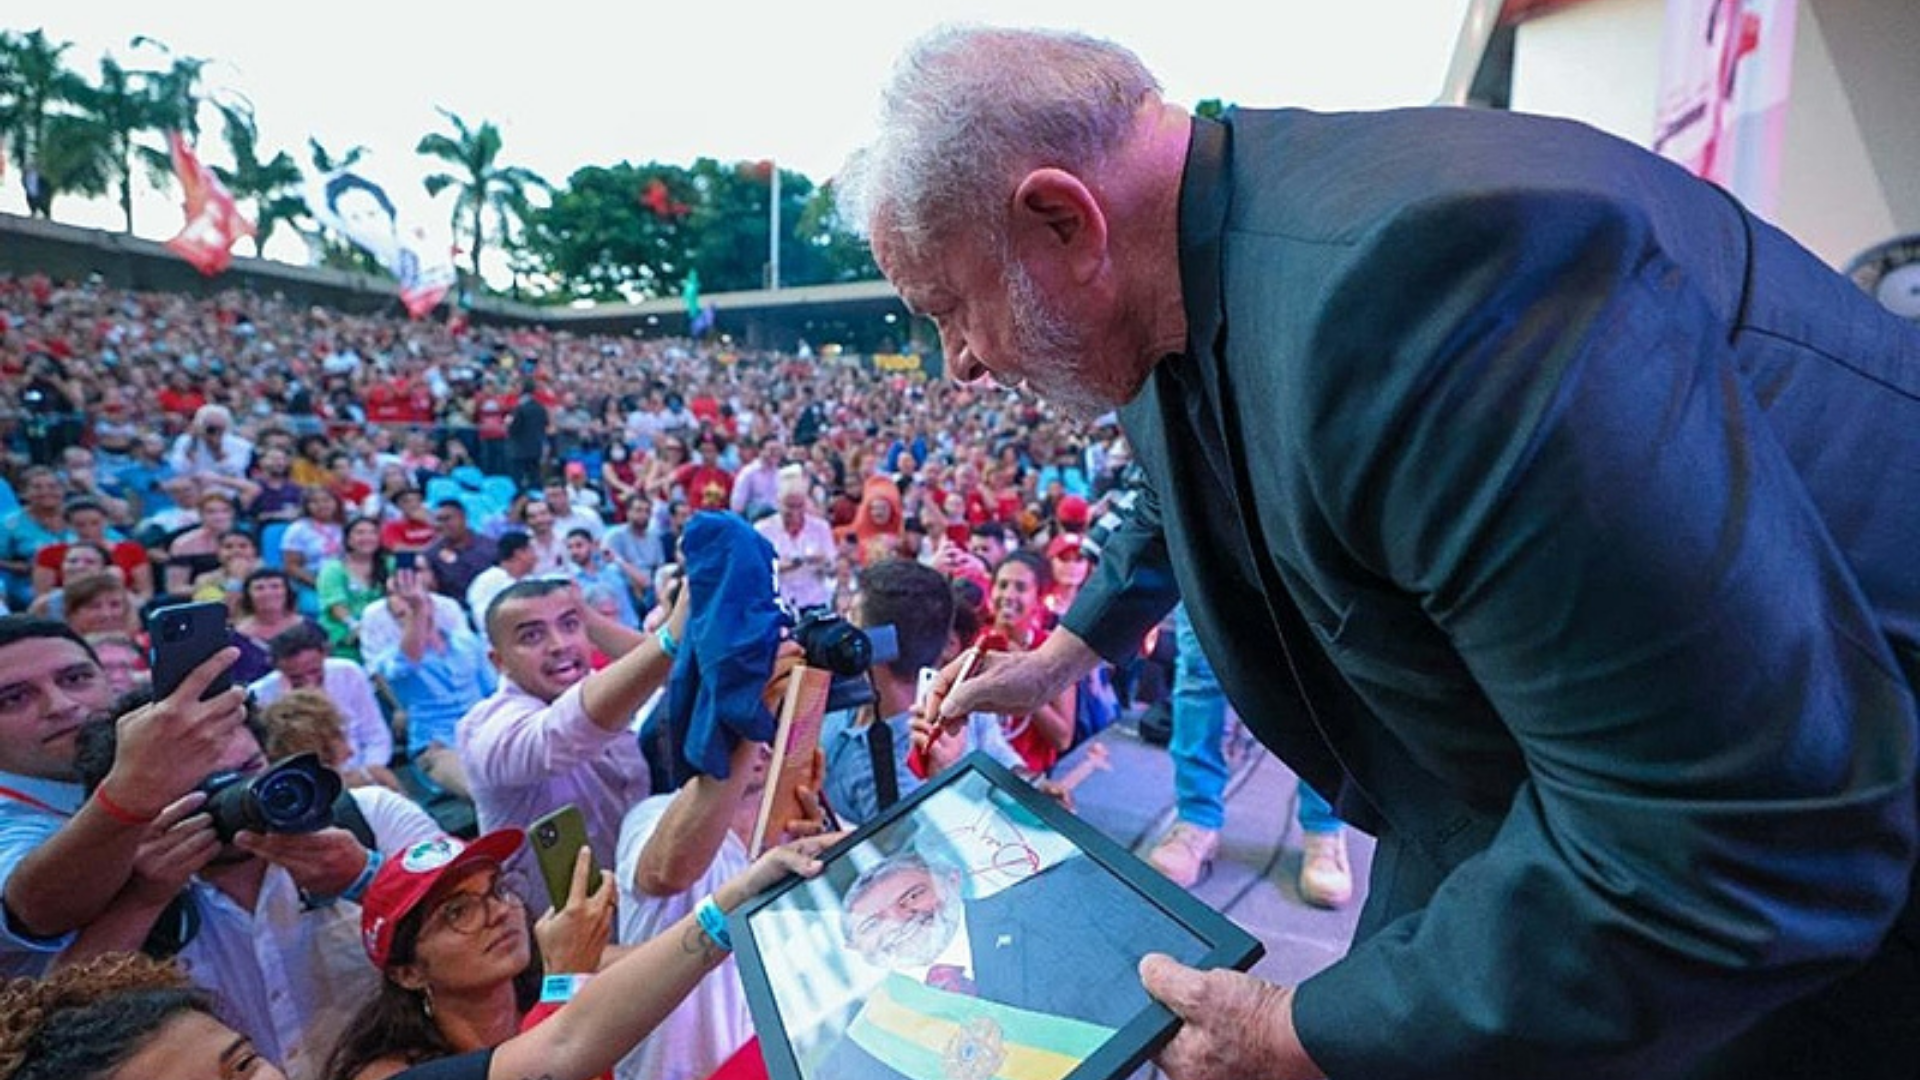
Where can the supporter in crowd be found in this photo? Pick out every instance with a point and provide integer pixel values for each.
(670, 456)
(382, 624)
(866, 748)
(213, 456)
(438, 671)
(300, 662)
(756, 488)
(239, 557)
(348, 584)
(621, 479)
(39, 522)
(264, 921)
(587, 568)
(197, 550)
(317, 535)
(557, 732)
(277, 496)
(83, 480)
(1068, 567)
(266, 608)
(155, 489)
(99, 603)
(1019, 583)
(515, 557)
(878, 527)
(86, 521)
(802, 543)
(77, 558)
(635, 548)
(457, 554)
(549, 544)
(569, 514)
(117, 1015)
(676, 849)
(411, 528)
(579, 492)
(707, 484)
(122, 661)
(51, 685)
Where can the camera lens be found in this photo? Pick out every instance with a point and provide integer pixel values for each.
(286, 796)
(549, 834)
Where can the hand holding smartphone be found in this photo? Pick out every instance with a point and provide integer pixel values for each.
(182, 637)
(557, 839)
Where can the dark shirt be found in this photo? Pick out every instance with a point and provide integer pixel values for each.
(455, 568)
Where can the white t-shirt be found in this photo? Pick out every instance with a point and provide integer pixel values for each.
(713, 1021)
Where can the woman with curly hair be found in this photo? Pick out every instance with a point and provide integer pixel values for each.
(119, 1017)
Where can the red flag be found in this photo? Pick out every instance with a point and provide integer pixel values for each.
(661, 201)
(213, 222)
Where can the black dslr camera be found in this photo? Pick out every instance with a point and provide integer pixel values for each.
(833, 643)
(294, 795)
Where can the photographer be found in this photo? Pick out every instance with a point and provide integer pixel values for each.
(866, 748)
(269, 922)
(50, 685)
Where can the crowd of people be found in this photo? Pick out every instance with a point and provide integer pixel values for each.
(450, 555)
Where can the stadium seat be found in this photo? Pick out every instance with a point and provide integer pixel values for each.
(499, 491)
(271, 536)
(442, 488)
(469, 477)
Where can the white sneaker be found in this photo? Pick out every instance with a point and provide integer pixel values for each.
(1184, 853)
(1325, 880)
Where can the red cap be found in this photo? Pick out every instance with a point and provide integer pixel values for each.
(1072, 510)
(1064, 544)
(406, 879)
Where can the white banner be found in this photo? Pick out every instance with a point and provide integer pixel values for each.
(1725, 75)
(359, 209)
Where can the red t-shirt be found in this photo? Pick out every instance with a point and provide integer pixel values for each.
(127, 557)
(708, 487)
(406, 534)
(180, 402)
(490, 414)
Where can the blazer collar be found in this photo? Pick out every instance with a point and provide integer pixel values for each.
(1204, 196)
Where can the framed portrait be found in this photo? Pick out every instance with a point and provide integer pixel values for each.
(975, 931)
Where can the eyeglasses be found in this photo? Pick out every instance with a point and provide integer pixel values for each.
(466, 912)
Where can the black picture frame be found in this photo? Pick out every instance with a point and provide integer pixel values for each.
(770, 950)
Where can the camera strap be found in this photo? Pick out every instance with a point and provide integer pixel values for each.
(886, 778)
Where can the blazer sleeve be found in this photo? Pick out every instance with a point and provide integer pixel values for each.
(1536, 431)
(1132, 588)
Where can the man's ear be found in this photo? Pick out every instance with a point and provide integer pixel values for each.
(1056, 216)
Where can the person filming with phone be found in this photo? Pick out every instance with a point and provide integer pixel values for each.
(51, 685)
(254, 881)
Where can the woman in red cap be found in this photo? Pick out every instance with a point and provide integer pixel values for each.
(451, 938)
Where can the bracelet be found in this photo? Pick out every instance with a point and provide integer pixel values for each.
(358, 889)
(714, 922)
(559, 989)
(668, 644)
(120, 813)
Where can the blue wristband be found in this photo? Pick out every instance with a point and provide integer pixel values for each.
(359, 887)
(668, 644)
(714, 922)
(559, 989)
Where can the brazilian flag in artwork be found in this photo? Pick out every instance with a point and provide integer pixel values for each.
(929, 1034)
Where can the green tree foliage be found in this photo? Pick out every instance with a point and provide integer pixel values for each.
(486, 188)
(39, 123)
(633, 232)
(272, 186)
(119, 108)
(1211, 108)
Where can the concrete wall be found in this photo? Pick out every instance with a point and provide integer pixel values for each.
(1850, 172)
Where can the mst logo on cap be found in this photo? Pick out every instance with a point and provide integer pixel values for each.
(431, 855)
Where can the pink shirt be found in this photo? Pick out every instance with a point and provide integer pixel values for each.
(525, 758)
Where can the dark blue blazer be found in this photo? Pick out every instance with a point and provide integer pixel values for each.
(1563, 517)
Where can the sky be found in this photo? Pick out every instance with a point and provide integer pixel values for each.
(573, 84)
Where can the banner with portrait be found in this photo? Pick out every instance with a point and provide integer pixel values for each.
(358, 208)
(1725, 75)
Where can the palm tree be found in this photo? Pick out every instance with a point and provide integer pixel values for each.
(36, 90)
(122, 105)
(486, 187)
(273, 185)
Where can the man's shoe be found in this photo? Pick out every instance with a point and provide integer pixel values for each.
(1325, 880)
(1184, 853)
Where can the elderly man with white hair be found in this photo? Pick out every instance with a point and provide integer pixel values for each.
(802, 542)
(211, 453)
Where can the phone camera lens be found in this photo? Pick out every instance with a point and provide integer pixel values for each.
(549, 834)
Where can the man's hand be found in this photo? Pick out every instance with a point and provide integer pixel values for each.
(789, 656)
(164, 747)
(1233, 1025)
(178, 844)
(815, 821)
(800, 857)
(573, 936)
(323, 863)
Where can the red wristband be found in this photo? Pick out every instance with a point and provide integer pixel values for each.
(120, 813)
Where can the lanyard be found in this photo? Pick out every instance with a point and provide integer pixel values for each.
(28, 800)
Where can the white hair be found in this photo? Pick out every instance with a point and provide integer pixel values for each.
(968, 110)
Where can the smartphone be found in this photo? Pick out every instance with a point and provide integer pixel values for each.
(557, 840)
(406, 560)
(182, 637)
